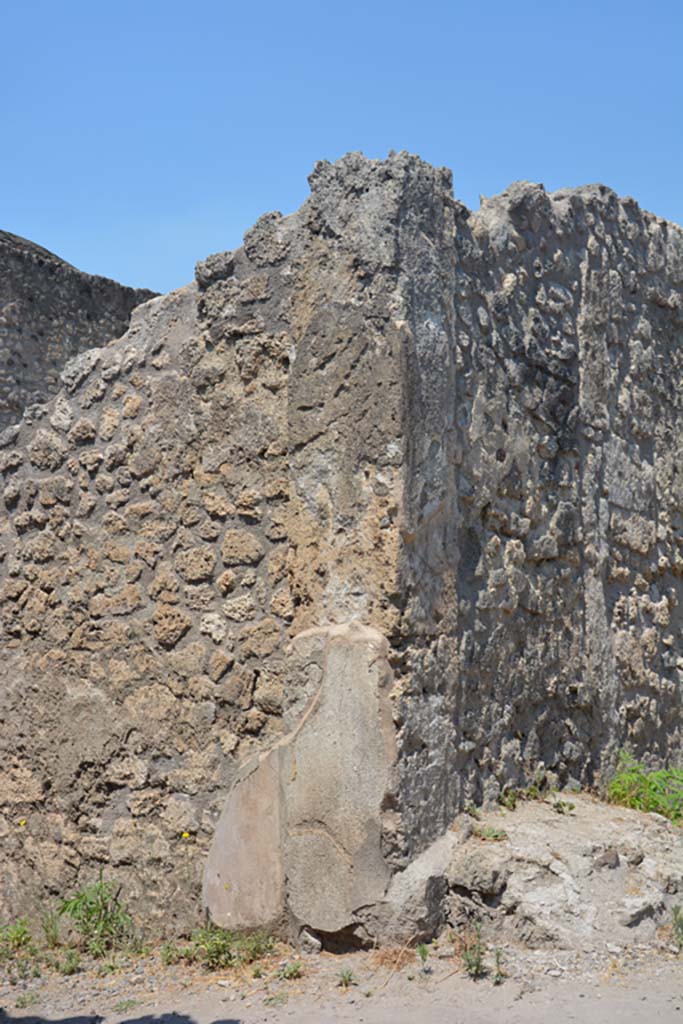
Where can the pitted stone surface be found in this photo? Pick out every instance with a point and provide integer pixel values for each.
(459, 429)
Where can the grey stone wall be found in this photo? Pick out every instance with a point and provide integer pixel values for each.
(543, 567)
(459, 429)
(49, 312)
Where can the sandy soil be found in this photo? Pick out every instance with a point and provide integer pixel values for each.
(590, 986)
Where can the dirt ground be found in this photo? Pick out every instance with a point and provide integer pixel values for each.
(633, 986)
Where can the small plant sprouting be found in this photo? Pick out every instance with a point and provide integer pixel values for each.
(71, 964)
(423, 952)
(50, 925)
(257, 971)
(562, 806)
(677, 925)
(499, 974)
(536, 790)
(26, 1000)
(15, 939)
(508, 799)
(254, 946)
(472, 811)
(18, 952)
(291, 971)
(108, 967)
(346, 978)
(124, 1005)
(489, 833)
(276, 999)
(473, 951)
(170, 954)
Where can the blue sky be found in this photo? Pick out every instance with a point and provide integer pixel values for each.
(139, 137)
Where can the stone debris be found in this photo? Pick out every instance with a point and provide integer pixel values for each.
(596, 875)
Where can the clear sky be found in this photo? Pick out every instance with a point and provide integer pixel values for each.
(138, 137)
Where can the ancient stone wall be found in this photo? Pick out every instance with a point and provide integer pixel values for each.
(544, 558)
(458, 429)
(49, 312)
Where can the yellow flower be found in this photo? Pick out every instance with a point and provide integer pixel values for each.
(22, 822)
(186, 835)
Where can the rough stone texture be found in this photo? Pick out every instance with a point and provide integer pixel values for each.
(461, 430)
(50, 312)
(298, 845)
(589, 875)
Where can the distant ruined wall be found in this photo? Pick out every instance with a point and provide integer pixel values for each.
(462, 430)
(49, 312)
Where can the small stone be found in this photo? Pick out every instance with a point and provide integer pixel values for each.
(240, 609)
(219, 663)
(170, 624)
(608, 859)
(212, 625)
(241, 547)
(47, 450)
(196, 564)
(226, 581)
(309, 943)
(62, 414)
(83, 432)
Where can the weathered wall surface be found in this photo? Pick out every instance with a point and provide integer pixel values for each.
(49, 312)
(461, 430)
(543, 562)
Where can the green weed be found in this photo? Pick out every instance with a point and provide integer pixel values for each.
(472, 953)
(254, 946)
(70, 964)
(170, 954)
(27, 999)
(216, 949)
(124, 1005)
(422, 951)
(562, 806)
(661, 791)
(346, 978)
(17, 951)
(499, 975)
(98, 918)
(508, 799)
(489, 833)
(15, 939)
(291, 971)
(50, 925)
(677, 925)
(276, 999)
(210, 947)
(108, 967)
